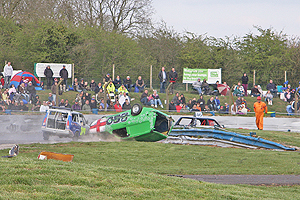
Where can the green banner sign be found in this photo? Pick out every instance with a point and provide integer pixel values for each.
(192, 75)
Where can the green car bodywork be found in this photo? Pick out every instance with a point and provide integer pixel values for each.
(140, 124)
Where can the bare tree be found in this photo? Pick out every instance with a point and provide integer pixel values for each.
(127, 15)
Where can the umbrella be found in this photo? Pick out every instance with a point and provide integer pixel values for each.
(16, 79)
(223, 89)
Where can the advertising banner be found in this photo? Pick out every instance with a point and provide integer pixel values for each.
(39, 69)
(192, 75)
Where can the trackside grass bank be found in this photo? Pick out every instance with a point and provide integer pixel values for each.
(137, 170)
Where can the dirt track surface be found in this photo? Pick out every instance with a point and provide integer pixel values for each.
(248, 179)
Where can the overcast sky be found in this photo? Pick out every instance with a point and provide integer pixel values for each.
(220, 18)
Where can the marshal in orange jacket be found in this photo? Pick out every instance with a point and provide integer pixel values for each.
(259, 109)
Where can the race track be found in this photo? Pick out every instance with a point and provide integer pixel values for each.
(25, 129)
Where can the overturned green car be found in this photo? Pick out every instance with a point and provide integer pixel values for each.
(140, 124)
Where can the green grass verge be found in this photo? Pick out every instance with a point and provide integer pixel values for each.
(137, 170)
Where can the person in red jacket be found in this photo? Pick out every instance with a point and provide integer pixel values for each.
(173, 76)
(259, 109)
(118, 106)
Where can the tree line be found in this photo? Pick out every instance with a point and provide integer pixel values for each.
(96, 34)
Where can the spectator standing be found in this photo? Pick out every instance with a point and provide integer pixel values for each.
(163, 80)
(64, 74)
(173, 76)
(140, 84)
(7, 72)
(245, 83)
(272, 87)
(197, 86)
(259, 109)
(49, 76)
(53, 90)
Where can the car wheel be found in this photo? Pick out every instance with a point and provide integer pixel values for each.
(136, 109)
(46, 136)
(76, 136)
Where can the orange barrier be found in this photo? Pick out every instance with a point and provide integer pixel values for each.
(56, 156)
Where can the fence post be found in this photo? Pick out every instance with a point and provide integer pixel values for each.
(151, 77)
(113, 74)
(253, 77)
(167, 96)
(284, 78)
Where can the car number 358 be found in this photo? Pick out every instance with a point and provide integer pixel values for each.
(117, 119)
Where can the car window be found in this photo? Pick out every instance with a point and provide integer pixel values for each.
(186, 122)
(75, 117)
(51, 119)
(82, 120)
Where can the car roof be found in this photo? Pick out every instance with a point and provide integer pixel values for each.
(187, 117)
(65, 110)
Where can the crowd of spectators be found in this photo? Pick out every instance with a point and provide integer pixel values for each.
(91, 95)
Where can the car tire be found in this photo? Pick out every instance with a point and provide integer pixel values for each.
(46, 136)
(136, 109)
(76, 136)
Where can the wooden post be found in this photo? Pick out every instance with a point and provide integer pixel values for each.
(57, 92)
(253, 77)
(186, 87)
(113, 73)
(167, 96)
(73, 74)
(284, 78)
(296, 100)
(151, 77)
(105, 95)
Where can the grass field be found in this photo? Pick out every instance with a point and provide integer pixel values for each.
(137, 170)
